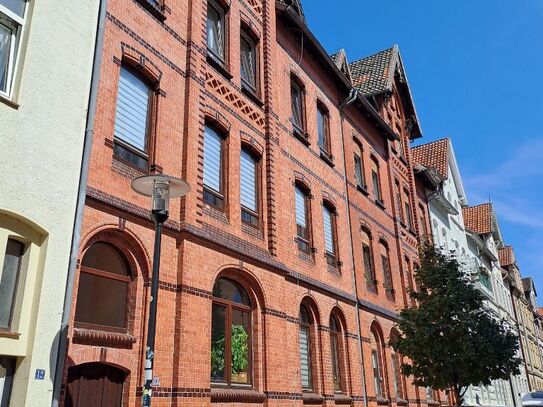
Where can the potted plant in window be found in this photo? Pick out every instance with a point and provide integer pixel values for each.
(240, 354)
(217, 357)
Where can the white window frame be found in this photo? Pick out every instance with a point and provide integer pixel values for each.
(18, 24)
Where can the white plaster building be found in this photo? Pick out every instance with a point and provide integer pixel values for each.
(476, 251)
(46, 55)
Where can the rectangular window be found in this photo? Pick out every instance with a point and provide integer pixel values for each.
(329, 235)
(407, 208)
(302, 223)
(213, 168)
(297, 104)
(305, 357)
(215, 30)
(249, 188)
(323, 124)
(359, 166)
(376, 373)
(387, 273)
(336, 371)
(131, 119)
(248, 61)
(376, 181)
(12, 14)
(399, 202)
(8, 281)
(422, 220)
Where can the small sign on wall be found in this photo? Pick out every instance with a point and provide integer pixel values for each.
(40, 374)
(156, 381)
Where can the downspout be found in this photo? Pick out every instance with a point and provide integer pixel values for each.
(82, 189)
(353, 96)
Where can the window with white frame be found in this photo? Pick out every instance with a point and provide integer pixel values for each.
(216, 29)
(12, 19)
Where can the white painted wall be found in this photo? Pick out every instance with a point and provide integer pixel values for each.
(41, 143)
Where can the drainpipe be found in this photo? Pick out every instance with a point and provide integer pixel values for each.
(353, 96)
(78, 218)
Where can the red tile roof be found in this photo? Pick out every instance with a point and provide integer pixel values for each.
(507, 256)
(434, 154)
(478, 219)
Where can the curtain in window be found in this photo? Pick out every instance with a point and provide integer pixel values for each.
(132, 110)
(15, 6)
(215, 30)
(212, 160)
(300, 208)
(296, 101)
(248, 62)
(5, 47)
(8, 281)
(248, 181)
(305, 364)
(328, 230)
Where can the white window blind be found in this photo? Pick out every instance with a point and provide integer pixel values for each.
(328, 230)
(215, 30)
(305, 361)
(212, 160)
(248, 181)
(132, 110)
(300, 208)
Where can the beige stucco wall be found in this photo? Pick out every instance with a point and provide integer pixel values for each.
(41, 145)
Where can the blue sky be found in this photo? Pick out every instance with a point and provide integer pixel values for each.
(476, 71)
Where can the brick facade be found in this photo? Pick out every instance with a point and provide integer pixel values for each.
(201, 243)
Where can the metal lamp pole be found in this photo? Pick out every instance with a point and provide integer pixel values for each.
(160, 188)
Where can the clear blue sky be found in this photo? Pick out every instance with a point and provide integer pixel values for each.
(476, 71)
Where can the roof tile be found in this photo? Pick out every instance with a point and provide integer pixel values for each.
(507, 256)
(371, 75)
(435, 155)
(478, 219)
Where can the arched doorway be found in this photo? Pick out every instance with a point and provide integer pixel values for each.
(94, 385)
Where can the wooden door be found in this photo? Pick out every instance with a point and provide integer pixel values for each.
(94, 385)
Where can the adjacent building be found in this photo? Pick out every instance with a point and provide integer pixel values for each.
(42, 127)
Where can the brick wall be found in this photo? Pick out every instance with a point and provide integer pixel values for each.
(202, 244)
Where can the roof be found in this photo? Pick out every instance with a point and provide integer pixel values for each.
(479, 219)
(507, 256)
(296, 6)
(340, 59)
(539, 310)
(376, 74)
(528, 284)
(433, 155)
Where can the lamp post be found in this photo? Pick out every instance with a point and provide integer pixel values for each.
(160, 188)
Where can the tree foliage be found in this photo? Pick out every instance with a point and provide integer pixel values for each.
(451, 341)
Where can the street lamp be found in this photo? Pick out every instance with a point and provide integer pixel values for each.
(160, 188)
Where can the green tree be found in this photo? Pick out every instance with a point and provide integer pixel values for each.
(451, 341)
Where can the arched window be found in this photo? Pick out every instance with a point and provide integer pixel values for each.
(367, 258)
(335, 348)
(397, 372)
(231, 350)
(377, 364)
(103, 288)
(306, 371)
(387, 272)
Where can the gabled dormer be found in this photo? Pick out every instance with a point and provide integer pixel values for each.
(340, 59)
(381, 78)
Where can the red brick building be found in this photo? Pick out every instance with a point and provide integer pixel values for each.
(283, 269)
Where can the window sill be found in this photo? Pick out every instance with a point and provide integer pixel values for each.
(401, 402)
(251, 94)
(155, 9)
(301, 135)
(5, 100)
(380, 204)
(105, 338)
(327, 158)
(363, 189)
(382, 401)
(312, 398)
(9, 334)
(218, 65)
(230, 395)
(342, 399)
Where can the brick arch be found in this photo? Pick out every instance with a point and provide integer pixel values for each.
(377, 330)
(247, 280)
(125, 240)
(119, 358)
(309, 301)
(338, 313)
